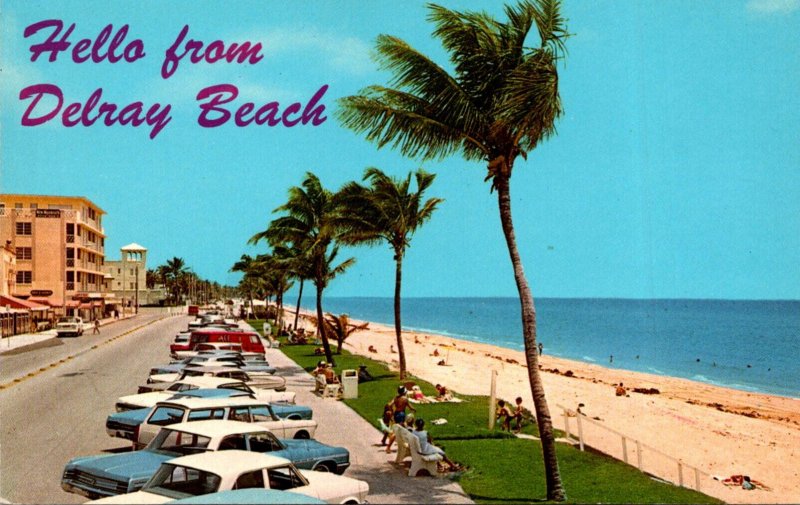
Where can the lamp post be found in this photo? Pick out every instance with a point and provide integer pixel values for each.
(136, 308)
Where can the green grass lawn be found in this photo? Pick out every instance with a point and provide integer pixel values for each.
(501, 468)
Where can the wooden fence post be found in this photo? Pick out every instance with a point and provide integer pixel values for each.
(639, 454)
(680, 474)
(624, 450)
(580, 430)
(492, 396)
(696, 479)
(566, 423)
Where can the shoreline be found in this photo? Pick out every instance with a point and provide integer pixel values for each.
(721, 431)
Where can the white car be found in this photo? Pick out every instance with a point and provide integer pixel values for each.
(147, 400)
(235, 409)
(211, 472)
(67, 326)
(261, 382)
(207, 346)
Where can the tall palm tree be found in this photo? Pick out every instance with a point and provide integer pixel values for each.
(501, 101)
(311, 221)
(175, 271)
(388, 211)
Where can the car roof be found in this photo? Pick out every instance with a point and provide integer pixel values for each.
(251, 496)
(211, 393)
(216, 427)
(194, 403)
(207, 381)
(214, 368)
(229, 462)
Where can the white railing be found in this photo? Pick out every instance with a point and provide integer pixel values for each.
(591, 433)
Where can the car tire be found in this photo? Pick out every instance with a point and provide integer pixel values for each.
(325, 466)
(302, 435)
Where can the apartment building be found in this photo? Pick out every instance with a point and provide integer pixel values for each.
(59, 243)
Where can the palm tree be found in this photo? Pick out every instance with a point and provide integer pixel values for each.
(251, 283)
(500, 103)
(175, 271)
(311, 223)
(388, 211)
(340, 328)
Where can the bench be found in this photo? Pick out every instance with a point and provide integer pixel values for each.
(408, 445)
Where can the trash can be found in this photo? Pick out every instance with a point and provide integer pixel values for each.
(349, 384)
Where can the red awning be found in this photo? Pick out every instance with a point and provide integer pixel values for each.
(45, 302)
(18, 303)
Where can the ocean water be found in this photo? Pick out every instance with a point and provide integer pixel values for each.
(747, 345)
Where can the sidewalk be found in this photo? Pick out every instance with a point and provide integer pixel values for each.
(340, 425)
(26, 339)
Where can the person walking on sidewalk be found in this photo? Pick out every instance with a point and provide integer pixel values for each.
(96, 330)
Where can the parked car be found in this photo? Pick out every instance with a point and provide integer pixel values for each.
(181, 343)
(251, 496)
(125, 424)
(249, 340)
(261, 382)
(196, 349)
(148, 399)
(211, 472)
(113, 474)
(174, 368)
(69, 326)
(141, 425)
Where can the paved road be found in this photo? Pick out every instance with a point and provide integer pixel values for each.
(60, 412)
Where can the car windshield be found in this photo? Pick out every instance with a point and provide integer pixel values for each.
(177, 443)
(180, 386)
(176, 481)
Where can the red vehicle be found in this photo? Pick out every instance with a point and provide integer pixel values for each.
(249, 340)
(194, 310)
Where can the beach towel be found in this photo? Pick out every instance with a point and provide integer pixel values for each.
(432, 399)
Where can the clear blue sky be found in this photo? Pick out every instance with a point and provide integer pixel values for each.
(675, 172)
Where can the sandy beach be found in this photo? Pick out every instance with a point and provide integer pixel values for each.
(720, 431)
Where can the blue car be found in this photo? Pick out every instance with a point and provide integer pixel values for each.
(125, 424)
(251, 496)
(113, 474)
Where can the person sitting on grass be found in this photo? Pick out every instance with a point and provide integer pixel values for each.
(504, 413)
(442, 394)
(426, 446)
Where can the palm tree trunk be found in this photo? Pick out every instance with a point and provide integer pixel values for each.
(321, 326)
(297, 310)
(398, 280)
(555, 489)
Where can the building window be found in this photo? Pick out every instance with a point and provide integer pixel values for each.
(132, 286)
(34, 205)
(17, 205)
(24, 277)
(24, 253)
(24, 228)
(119, 271)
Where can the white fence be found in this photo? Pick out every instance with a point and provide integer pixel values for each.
(587, 432)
